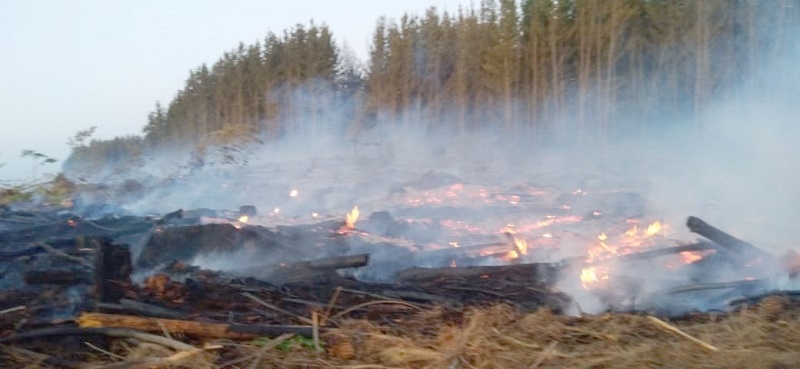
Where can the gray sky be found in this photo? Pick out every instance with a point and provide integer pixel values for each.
(70, 65)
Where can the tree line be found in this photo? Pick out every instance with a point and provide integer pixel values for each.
(575, 68)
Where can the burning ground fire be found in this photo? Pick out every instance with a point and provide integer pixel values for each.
(501, 226)
(631, 241)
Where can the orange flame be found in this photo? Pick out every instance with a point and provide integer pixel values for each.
(588, 277)
(592, 275)
(242, 220)
(653, 229)
(522, 245)
(351, 218)
(689, 257)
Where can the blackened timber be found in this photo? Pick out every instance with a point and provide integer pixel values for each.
(142, 308)
(271, 330)
(56, 276)
(112, 274)
(308, 270)
(337, 262)
(542, 274)
(740, 248)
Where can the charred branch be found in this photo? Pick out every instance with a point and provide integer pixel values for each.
(307, 270)
(63, 277)
(537, 273)
(739, 248)
(54, 332)
(112, 271)
(143, 309)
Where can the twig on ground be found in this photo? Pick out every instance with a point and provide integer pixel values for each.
(711, 286)
(514, 340)
(273, 307)
(264, 348)
(13, 309)
(315, 331)
(543, 356)
(164, 329)
(153, 362)
(369, 303)
(336, 292)
(93, 224)
(102, 350)
(42, 358)
(52, 250)
(111, 332)
(664, 325)
(370, 294)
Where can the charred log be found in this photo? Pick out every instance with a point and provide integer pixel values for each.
(307, 270)
(741, 249)
(63, 277)
(538, 273)
(112, 271)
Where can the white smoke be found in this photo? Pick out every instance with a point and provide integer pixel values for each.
(736, 168)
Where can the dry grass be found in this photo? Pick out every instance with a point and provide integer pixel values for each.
(764, 336)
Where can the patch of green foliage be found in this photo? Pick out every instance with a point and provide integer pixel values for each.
(291, 344)
(297, 342)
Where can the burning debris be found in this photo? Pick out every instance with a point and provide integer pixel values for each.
(229, 274)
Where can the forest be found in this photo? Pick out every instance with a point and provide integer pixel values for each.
(533, 69)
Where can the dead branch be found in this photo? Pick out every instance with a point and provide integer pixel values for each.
(55, 276)
(13, 309)
(662, 324)
(531, 273)
(41, 358)
(93, 331)
(141, 308)
(273, 307)
(370, 303)
(53, 251)
(712, 286)
(189, 328)
(272, 330)
(306, 270)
